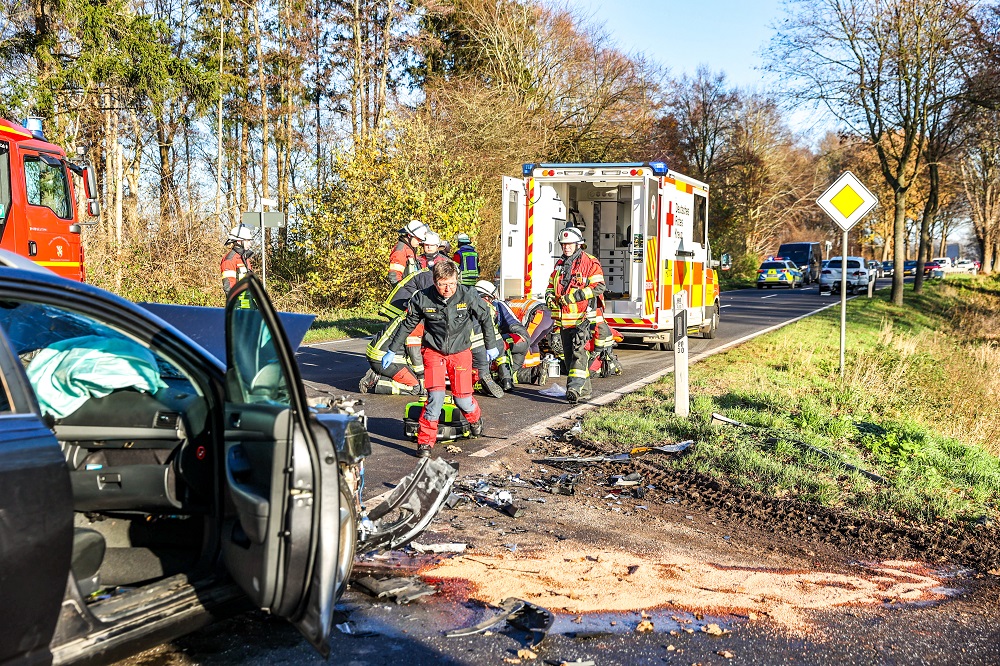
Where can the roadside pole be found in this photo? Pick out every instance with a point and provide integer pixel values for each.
(843, 301)
(682, 402)
(846, 201)
(263, 220)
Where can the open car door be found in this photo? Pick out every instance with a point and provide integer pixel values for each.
(281, 537)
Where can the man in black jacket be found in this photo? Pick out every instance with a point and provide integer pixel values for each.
(447, 311)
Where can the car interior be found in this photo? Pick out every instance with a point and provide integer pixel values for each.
(134, 430)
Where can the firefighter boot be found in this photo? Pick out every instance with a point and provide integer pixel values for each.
(506, 380)
(368, 382)
(476, 428)
(490, 386)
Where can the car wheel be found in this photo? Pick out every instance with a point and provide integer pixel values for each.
(348, 535)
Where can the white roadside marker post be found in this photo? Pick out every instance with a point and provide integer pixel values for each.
(682, 402)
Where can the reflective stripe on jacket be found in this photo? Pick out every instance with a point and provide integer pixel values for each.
(447, 323)
(581, 271)
(468, 264)
(397, 300)
(402, 262)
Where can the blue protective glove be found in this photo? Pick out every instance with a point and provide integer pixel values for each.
(387, 359)
(492, 353)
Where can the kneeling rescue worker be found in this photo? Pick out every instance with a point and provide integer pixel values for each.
(447, 311)
(574, 286)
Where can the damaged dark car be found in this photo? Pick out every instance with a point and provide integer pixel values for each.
(147, 488)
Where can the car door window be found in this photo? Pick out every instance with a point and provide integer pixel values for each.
(254, 360)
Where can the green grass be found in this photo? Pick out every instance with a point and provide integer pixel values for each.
(344, 323)
(919, 405)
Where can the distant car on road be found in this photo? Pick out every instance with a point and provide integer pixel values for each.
(932, 266)
(888, 269)
(858, 276)
(875, 269)
(779, 274)
(966, 266)
(910, 267)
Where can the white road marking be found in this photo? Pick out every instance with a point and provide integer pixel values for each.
(724, 306)
(771, 296)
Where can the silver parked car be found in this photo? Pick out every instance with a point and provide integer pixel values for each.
(858, 275)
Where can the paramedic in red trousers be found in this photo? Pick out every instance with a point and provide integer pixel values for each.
(236, 264)
(403, 259)
(576, 282)
(447, 311)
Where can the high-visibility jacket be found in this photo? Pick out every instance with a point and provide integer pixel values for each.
(402, 262)
(234, 268)
(397, 300)
(574, 288)
(468, 264)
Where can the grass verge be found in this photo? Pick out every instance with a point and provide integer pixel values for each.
(344, 323)
(919, 405)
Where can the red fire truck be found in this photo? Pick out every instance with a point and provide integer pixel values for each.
(39, 218)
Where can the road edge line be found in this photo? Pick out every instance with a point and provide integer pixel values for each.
(549, 423)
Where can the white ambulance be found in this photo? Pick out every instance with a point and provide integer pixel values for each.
(647, 225)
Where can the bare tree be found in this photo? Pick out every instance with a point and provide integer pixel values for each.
(980, 167)
(874, 65)
(703, 109)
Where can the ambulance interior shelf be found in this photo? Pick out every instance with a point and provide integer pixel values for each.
(606, 221)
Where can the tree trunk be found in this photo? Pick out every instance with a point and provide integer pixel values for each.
(930, 210)
(899, 240)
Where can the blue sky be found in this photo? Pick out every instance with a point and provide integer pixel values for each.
(727, 35)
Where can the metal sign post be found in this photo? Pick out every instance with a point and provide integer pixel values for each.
(264, 220)
(846, 202)
(682, 402)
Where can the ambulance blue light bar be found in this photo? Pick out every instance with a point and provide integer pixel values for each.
(658, 168)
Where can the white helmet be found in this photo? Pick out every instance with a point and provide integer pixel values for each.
(240, 232)
(431, 238)
(570, 235)
(417, 229)
(486, 288)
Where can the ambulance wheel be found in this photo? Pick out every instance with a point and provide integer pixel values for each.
(661, 346)
(708, 333)
(348, 535)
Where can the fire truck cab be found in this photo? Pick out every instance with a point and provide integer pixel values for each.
(647, 225)
(38, 206)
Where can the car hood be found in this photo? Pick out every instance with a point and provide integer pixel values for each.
(207, 326)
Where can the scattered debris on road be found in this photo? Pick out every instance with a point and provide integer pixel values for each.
(521, 614)
(402, 590)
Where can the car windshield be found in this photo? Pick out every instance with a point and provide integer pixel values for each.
(768, 265)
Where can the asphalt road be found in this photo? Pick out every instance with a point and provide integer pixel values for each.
(337, 367)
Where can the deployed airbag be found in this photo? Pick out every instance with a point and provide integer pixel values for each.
(68, 373)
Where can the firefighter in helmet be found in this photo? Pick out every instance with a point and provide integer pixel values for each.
(403, 258)
(236, 264)
(467, 259)
(432, 251)
(511, 331)
(574, 287)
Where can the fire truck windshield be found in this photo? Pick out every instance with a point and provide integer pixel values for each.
(46, 184)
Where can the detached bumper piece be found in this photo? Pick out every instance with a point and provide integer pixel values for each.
(402, 590)
(409, 509)
(521, 614)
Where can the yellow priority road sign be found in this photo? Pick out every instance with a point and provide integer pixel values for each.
(847, 200)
